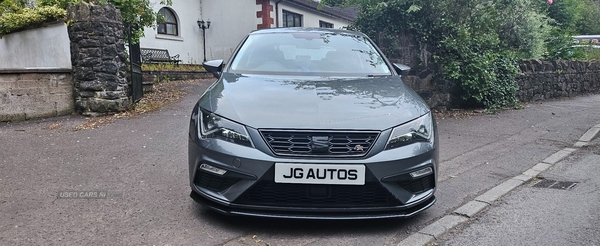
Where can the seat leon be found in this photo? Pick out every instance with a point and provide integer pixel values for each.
(311, 123)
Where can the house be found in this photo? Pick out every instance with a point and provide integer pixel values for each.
(228, 22)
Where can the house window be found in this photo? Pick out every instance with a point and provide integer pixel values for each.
(325, 24)
(291, 19)
(169, 27)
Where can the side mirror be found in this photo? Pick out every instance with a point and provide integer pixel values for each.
(401, 69)
(215, 67)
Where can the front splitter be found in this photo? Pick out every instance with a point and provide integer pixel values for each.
(314, 214)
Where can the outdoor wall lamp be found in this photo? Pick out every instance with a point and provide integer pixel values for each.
(203, 25)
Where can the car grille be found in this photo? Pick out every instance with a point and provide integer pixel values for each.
(313, 143)
(269, 193)
(419, 185)
(213, 182)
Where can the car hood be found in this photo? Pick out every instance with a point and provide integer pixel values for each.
(304, 102)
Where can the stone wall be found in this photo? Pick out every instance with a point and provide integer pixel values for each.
(543, 80)
(30, 94)
(98, 59)
(424, 76)
(35, 73)
(539, 80)
(430, 85)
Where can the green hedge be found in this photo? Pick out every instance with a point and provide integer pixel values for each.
(11, 22)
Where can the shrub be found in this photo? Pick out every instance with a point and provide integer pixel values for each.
(486, 76)
(29, 18)
(476, 42)
(15, 15)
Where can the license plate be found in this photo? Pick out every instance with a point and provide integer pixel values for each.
(319, 174)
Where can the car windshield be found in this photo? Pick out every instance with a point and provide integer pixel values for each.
(309, 53)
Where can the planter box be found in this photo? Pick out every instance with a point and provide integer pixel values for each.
(155, 76)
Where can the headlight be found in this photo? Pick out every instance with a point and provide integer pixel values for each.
(419, 130)
(214, 126)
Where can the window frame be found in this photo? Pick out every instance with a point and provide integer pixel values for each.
(295, 17)
(324, 24)
(165, 24)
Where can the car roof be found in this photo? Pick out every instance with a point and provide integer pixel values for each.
(305, 29)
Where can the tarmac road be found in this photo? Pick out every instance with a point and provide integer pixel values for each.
(141, 165)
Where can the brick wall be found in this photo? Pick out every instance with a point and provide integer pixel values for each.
(28, 95)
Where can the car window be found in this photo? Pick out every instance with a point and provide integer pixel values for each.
(308, 53)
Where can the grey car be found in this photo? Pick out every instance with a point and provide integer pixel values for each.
(312, 124)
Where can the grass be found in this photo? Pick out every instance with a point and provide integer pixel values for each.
(593, 54)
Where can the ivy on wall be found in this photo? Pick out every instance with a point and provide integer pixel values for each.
(17, 15)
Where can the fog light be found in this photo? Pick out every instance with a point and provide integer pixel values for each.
(212, 169)
(422, 172)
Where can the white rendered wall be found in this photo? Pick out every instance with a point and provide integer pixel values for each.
(310, 18)
(40, 48)
(231, 21)
(189, 42)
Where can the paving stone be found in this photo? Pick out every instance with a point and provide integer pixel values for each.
(541, 167)
(443, 225)
(590, 134)
(417, 239)
(556, 157)
(498, 191)
(471, 208)
(531, 173)
(523, 177)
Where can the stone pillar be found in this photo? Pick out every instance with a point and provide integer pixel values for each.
(98, 58)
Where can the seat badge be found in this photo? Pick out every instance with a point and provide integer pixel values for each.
(319, 144)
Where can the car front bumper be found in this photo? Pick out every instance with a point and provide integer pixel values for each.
(248, 187)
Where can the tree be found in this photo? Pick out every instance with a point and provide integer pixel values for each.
(589, 24)
(576, 17)
(138, 14)
(333, 3)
